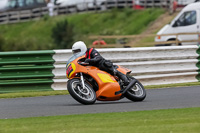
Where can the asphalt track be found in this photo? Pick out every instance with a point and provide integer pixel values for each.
(167, 98)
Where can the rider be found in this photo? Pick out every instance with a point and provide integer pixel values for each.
(95, 59)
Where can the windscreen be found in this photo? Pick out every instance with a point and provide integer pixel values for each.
(75, 56)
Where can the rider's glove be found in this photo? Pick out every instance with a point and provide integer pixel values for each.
(87, 61)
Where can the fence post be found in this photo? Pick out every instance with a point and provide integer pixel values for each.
(106, 4)
(116, 3)
(41, 12)
(66, 9)
(31, 14)
(176, 39)
(7, 18)
(95, 5)
(19, 15)
(134, 5)
(55, 10)
(127, 4)
(153, 3)
(199, 39)
(171, 7)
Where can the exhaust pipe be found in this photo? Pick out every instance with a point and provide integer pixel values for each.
(127, 88)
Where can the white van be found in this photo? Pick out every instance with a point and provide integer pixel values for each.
(185, 2)
(187, 21)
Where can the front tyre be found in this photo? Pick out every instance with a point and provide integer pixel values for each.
(83, 95)
(137, 92)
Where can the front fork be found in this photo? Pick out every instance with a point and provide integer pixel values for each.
(84, 90)
(82, 80)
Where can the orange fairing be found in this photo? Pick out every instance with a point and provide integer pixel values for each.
(107, 86)
(123, 70)
(106, 82)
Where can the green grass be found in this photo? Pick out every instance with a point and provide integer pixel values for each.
(37, 35)
(172, 85)
(49, 93)
(33, 94)
(157, 121)
(117, 22)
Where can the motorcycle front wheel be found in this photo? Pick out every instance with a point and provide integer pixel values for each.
(83, 95)
(137, 92)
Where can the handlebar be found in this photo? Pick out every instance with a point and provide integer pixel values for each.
(83, 63)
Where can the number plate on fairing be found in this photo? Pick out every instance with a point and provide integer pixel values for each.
(70, 70)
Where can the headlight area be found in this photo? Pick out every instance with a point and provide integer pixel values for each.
(158, 37)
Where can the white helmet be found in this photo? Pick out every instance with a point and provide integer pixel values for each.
(79, 47)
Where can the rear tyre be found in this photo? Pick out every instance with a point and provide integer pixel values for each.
(83, 95)
(137, 92)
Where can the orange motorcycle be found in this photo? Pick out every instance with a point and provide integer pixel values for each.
(87, 84)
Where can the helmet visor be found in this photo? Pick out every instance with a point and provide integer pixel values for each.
(76, 51)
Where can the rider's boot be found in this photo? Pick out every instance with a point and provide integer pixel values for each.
(123, 77)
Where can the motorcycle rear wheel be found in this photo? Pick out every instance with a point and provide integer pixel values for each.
(83, 95)
(137, 92)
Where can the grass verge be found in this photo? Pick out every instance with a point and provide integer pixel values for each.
(157, 121)
(38, 35)
(49, 93)
(172, 85)
(33, 94)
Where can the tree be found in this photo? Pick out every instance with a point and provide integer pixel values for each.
(62, 34)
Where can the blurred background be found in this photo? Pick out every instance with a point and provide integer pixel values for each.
(57, 24)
